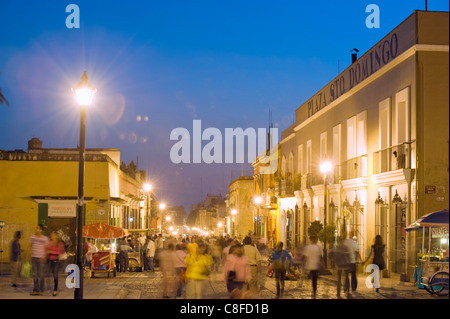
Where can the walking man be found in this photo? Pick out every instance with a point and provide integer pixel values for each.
(38, 249)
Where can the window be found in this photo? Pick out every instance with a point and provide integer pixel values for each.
(384, 123)
(351, 137)
(308, 157)
(300, 159)
(337, 149)
(401, 122)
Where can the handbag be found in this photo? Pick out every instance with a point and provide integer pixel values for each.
(26, 270)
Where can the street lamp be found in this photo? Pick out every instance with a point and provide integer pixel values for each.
(84, 92)
(148, 188)
(325, 168)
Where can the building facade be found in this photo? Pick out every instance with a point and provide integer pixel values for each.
(41, 186)
(383, 124)
(242, 215)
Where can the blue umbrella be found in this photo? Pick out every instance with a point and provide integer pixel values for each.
(435, 219)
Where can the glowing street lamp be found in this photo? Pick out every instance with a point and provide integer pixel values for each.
(84, 92)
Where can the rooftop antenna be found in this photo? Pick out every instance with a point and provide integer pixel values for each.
(426, 5)
(354, 54)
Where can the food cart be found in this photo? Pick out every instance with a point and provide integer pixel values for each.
(103, 260)
(432, 271)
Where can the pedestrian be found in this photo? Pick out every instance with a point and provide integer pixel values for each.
(15, 258)
(215, 251)
(378, 253)
(236, 270)
(354, 258)
(341, 259)
(159, 246)
(254, 260)
(197, 272)
(123, 252)
(150, 255)
(179, 261)
(55, 249)
(37, 249)
(313, 261)
(281, 262)
(144, 253)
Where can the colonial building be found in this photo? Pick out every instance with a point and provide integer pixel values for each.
(242, 217)
(383, 124)
(41, 186)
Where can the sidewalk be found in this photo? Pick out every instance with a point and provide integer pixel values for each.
(92, 289)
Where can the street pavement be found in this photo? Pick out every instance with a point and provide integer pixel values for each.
(147, 285)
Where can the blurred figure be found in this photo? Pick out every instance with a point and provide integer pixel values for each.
(226, 249)
(341, 259)
(354, 258)
(54, 249)
(281, 262)
(166, 264)
(15, 258)
(159, 246)
(197, 272)
(150, 254)
(313, 261)
(179, 261)
(298, 264)
(123, 254)
(254, 260)
(38, 249)
(215, 251)
(192, 247)
(236, 270)
(378, 253)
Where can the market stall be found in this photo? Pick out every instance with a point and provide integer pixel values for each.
(103, 260)
(432, 271)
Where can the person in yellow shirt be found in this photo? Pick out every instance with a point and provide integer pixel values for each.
(197, 271)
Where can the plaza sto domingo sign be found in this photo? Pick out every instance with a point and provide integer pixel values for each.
(371, 62)
(385, 51)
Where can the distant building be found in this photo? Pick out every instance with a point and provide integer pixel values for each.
(240, 198)
(206, 216)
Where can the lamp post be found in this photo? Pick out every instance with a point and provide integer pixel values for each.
(148, 188)
(233, 213)
(325, 168)
(84, 92)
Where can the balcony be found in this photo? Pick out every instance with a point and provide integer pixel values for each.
(354, 168)
(392, 158)
(287, 185)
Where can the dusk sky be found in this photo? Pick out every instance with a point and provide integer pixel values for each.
(159, 65)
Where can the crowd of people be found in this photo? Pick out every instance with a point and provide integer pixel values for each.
(187, 263)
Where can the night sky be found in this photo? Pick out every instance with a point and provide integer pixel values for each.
(159, 65)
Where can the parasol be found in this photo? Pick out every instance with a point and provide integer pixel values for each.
(436, 219)
(103, 231)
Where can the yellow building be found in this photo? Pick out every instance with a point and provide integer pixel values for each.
(41, 186)
(383, 124)
(240, 198)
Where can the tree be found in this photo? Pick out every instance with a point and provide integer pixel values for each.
(315, 228)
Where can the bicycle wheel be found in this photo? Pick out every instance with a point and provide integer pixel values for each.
(439, 283)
